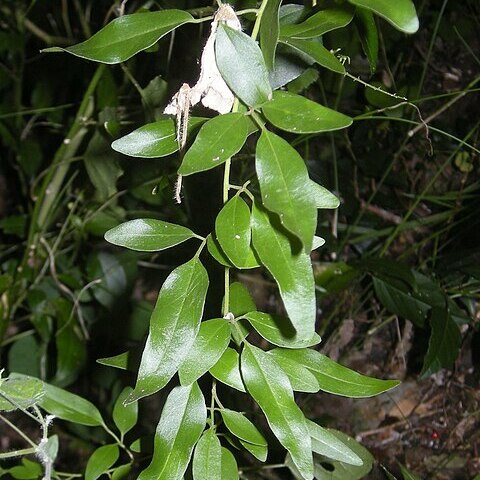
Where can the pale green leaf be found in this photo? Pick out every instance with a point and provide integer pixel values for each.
(20, 393)
(260, 452)
(207, 458)
(125, 416)
(227, 370)
(229, 465)
(322, 197)
(242, 427)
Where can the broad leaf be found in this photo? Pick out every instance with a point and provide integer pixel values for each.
(292, 272)
(100, 461)
(173, 327)
(212, 340)
(241, 301)
(218, 140)
(241, 64)
(183, 419)
(335, 378)
(242, 428)
(367, 29)
(148, 235)
(269, 386)
(401, 13)
(125, 416)
(207, 458)
(279, 330)
(21, 392)
(298, 114)
(269, 31)
(125, 36)
(322, 197)
(215, 250)
(282, 176)
(229, 465)
(227, 370)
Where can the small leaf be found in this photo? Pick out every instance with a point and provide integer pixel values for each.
(269, 386)
(148, 235)
(173, 327)
(125, 36)
(260, 452)
(21, 392)
(279, 331)
(241, 64)
(269, 31)
(401, 14)
(207, 458)
(367, 29)
(100, 461)
(28, 470)
(227, 370)
(219, 139)
(215, 250)
(407, 475)
(282, 175)
(242, 427)
(212, 340)
(229, 465)
(121, 472)
(322, 197)
(125, 416)
(120, 361)
(317, 242)
(241, 301)
(298, 114)
(183, 419)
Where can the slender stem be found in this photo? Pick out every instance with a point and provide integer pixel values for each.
(258, 21)
(119, 442)
(17, 453)
(14, 427)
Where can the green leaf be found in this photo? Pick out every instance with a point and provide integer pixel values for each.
(292, 272)
(23, 392)
(367, 29)
(270, 388)
(326, 443)
(28, 470)
(269, 31)
(215, 250)
(317, 242)
(227, 370)
(241, 301)
(100, 461)
(125, 36)
(232, 228)
(240, 61)
(317, 52)
(173, 327)
(121, 472)
(301, 379)
(401, 14)
(229, 465)
(335, 378)
(183, 419)
(258, 451)
(279, 330)
(148, 235)
(218, 140)
(444, 342)
(120, 361)
(298, 114)
(125, 416)
(282, 175)
(407, 475)
(207, 459)
(322, 197)
(212, 340)
(242, 427)
(320, 23)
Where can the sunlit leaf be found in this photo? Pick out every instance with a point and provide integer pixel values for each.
(227, 370)
(19, 393)
(207, 458)
(229, 465)
(242, 427)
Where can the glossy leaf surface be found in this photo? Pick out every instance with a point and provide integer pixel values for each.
(260, 452)
(220, 256)
(183, 419)
(148, 235)
(173, 327)
(242, 427)
(125, 416)
(269, 386)
(207, 458)
(100, 461)
(227, 370)
(322, 197)
(241, 64)
(298, 114)
(125, 36)
(21, 392)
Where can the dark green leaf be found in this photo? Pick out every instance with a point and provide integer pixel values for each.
(24, 356)
(241, 301)
(212, 340)
(322, 197)
(148, 235)
(218, 140)
(219, 255)
(367, 29)
(121, 472)
(120, 361)
(242, 428)
(227, 370)
(241, 64)
(401, 14)
(269, 31)
(125, 416)
(173, 327)
(269, 386)
(125, 36)
(207, 459)
(407, 474)
(21, 392)
(229, 465)
(297, 114)
(100, 461)
(183, 419)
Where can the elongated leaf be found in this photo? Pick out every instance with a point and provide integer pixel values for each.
(183, 419)
(282, 175)
(229, 465)
(100, 461)
(367, 29)
(279, 331)
(120, 361)
(444, 342)
(227, 370)
(335, 378)
(207, 459)
(408, 475)
(241, 301)
(148, 235)
(173, 327)
(401, 14)
(269, 386)
(320, 23)
(217, 141)
(233, 231)
(258, 451)
(21, 392)
(125, 416)
(242, 427)
(326, 443)
(323, 198)
(212, 340)
(317, 52)
(125, 36)
(297, 114)
(241, 64)
(269, 31)
(292, 272)
(215, 250)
